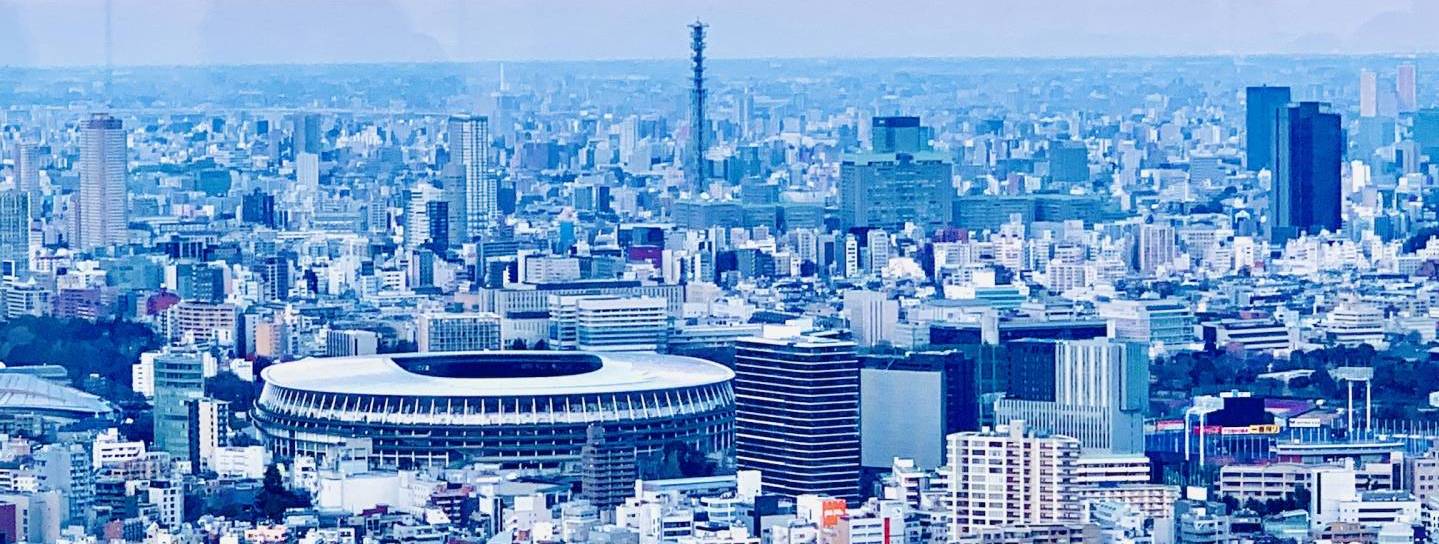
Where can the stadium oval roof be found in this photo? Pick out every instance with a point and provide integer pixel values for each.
(495, 373)
(30, 393)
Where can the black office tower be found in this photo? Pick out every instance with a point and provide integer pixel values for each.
(1261, 108)
(1308, 152)
(797, 415)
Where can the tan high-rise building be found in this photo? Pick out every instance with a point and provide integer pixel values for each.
(1405, 89)
(477, 196)
(1010, 477)
(27, 167)
(103, 156)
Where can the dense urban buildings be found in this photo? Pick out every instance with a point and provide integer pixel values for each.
(709, 299)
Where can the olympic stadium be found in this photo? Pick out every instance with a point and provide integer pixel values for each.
(515, 408)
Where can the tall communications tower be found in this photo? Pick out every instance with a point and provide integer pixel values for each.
(696, 170)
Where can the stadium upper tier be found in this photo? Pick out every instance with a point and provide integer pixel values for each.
(518, 408)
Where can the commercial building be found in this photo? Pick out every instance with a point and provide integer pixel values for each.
(27, 167)
(103, 170)
(1351, 323)
(179, 379)
(899, 181)
(1257, 334)
(15, 233)
(608, 469)
(202, 322)
(346, 343)
(474, 200)
(1308, 154)
(1162, 323)
(418, 221)
(208, 424)
(797, 413)
(1096, 391)
(909, 403)
(439, 332)
(607, 323)
(872, 316)
(990, 212)
(530, 299)
(1009, 476)
(1261, 112)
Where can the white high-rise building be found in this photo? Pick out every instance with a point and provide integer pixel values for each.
(470, 151)
(877, 249)
(417, 215)
(1406, 91)
(1009, 477)
(1099, 387)
(850, 266)
(608, 323)
(207, 433)
(437, 332)
(1156, 247)
(872, 316)
(103, 155)
(307, 172)
(1368, 93)
(27, 167)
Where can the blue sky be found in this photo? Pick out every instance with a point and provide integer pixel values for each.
(150, 32)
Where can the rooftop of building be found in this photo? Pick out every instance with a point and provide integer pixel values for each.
(495, 373)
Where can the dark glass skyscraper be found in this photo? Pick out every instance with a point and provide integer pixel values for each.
(797, 414)
(1308, 151)
(1261, 108)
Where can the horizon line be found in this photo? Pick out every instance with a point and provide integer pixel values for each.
(1396, 55)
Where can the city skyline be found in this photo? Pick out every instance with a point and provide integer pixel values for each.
(710, 299)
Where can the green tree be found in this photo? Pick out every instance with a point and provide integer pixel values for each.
(274, 498)
(230, 388)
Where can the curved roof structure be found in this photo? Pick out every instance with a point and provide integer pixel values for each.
(31, 393)
(495, 373)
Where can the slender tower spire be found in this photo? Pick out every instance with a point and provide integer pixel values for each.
(696, 170)
(109, 50)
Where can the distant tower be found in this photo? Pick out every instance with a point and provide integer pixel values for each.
(27, 166)
(109, 48)
(696, 173)
(1405, 88)
(1308, 161)
(474, 198)
(103, 154)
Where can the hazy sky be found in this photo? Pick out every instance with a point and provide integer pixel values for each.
(71, 32)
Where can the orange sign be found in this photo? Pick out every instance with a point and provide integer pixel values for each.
(832, 510)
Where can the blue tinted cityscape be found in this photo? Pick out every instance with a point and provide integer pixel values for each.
(690, 298)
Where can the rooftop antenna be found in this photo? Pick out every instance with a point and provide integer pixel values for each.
(109, 49)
